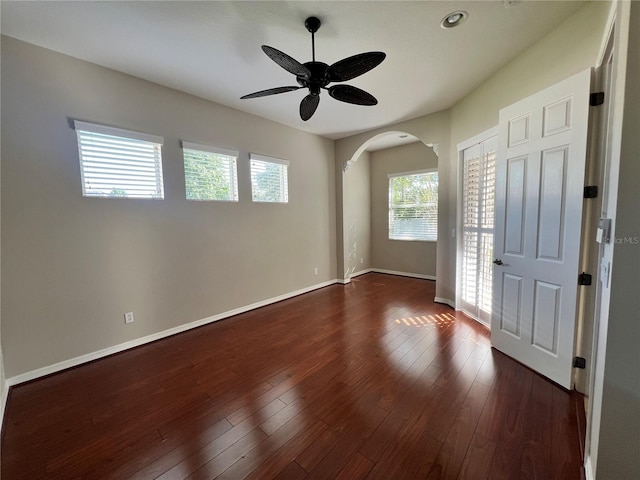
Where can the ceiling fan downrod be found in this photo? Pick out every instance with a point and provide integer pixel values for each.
(313, 25)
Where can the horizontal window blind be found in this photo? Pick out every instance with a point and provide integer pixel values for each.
(413, 206)
(119, 163)
(210, 173)
(269, 181)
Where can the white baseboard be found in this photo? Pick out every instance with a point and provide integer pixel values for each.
(474, 318)
(73, 362)
(403, 274)
(589, 474)
(89, 357)
(361, 272)
(446, 301)
(5, 390)
(3, 402)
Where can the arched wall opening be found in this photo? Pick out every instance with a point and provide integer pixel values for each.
(365, 206)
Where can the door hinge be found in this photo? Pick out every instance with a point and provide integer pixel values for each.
(591, 191)
(584, 279)
(579, 362)
(596, 99)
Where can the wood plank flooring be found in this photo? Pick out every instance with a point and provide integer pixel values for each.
(369, 380)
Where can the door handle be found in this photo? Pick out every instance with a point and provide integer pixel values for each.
(498, 261)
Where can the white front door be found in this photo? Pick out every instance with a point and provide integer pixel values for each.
(539, 194)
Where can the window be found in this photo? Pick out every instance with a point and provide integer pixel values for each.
(269, 179)
(119, 163)
(478, 201)
(210, 173)
(413, 206)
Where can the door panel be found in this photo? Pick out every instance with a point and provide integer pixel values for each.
(516, 193)
(539, 182)
(511, 305)
(551, 208)
(546, 311)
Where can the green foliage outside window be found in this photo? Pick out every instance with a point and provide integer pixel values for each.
(413, 207)
(209, 176)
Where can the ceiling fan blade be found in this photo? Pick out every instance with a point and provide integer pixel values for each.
(270, 91)
(308, 106)
(349, 94)
(352, 67)
(291, 65)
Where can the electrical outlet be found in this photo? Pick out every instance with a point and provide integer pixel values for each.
(315, 270)
(128, 317)
(361, 260)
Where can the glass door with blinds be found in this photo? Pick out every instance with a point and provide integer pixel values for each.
(475, 259)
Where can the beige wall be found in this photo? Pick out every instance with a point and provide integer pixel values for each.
(126, 254)
(618, 445)
(71, 266)
(398, 255)
(357, 215)
(572, 47)
(2, 376)
(430, 129)
(365, 213)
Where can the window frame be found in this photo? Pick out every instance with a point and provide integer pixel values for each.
(391, 206)
(284, 177)
(153, 140)
(233, 170)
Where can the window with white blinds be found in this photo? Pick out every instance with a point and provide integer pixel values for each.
(269, 181)
(210, 173)
(478, 202)
(116, 163)
(413, 206)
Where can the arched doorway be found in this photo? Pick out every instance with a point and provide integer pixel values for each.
(365, 206)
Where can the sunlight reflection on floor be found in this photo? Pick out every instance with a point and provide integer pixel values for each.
(439, 320)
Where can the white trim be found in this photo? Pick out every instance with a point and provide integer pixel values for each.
(117, 132)
(588, 469)
(208, 148)
(3, 401)
(89, 357)
(611, 23)
(403, 274)
(361, 272)
(481, 137)
(617, 34)
(265, 158)
(5, 390)
(474, 317)
(446, 301)
(414, 172)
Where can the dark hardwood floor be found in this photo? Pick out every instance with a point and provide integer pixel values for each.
(365, 381)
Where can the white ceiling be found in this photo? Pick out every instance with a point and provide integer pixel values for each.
(212, 49)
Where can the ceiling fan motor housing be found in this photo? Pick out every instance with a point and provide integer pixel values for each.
(318, 78)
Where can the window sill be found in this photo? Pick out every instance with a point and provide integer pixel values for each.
(412, 240)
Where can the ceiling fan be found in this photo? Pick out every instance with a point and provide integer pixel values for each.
(317, 75)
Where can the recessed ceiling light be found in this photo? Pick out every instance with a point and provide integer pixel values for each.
(454, 19)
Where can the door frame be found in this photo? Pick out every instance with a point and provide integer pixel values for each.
(614, 46)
